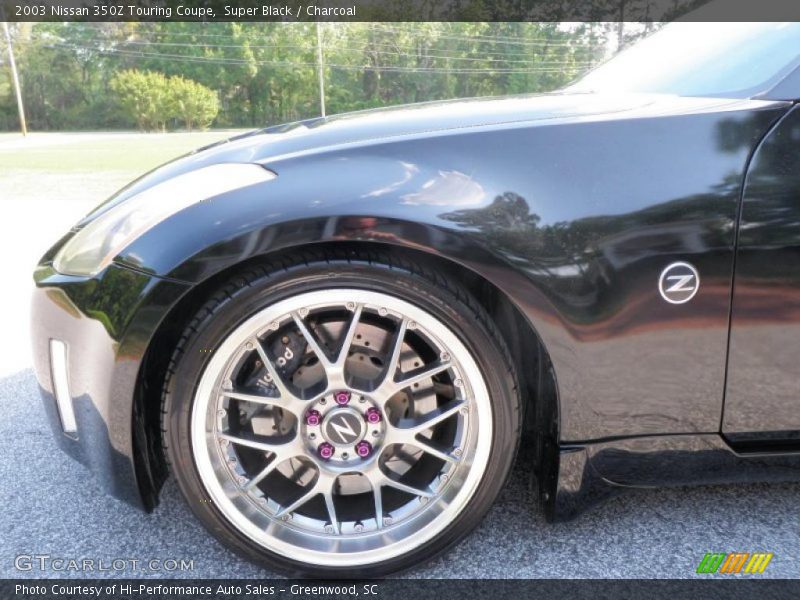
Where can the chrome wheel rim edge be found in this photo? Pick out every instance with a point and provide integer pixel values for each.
(481, 432)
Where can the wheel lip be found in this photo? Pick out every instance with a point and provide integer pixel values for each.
(481, 418)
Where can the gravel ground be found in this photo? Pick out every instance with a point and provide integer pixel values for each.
(52, 506)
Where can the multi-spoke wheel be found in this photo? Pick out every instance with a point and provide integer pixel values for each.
(341, 424)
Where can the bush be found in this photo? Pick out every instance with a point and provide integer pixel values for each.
(152, 100)
(193, 103)
(143, 96)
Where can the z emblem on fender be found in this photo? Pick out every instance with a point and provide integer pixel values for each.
(679, 283)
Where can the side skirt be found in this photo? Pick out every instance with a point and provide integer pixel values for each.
(587, 474)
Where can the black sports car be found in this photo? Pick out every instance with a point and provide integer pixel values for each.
(335, 333)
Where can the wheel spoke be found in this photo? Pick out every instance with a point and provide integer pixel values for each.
(409, 428)
(389, 387)
(294, 405)
(277, 381)
(347, 341)
(312, 342)
(328, 495)
(377, 495)
(311, 493)
(257, 444)
(254, 398)
(426, 446)
(423, 373)
(422, 493)
(397, 348)
(276, 460)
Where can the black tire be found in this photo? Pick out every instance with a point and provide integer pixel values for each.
(248, 292)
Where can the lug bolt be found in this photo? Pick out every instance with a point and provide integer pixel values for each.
(313, 417)
(342, 397)
(373, 415)
(325, 451)
(363, 449)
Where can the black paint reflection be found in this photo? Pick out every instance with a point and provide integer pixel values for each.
(763, 393)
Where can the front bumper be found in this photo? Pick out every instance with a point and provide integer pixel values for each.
(104, 325)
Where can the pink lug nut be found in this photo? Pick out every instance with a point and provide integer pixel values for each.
(313, 417)
(342, 398)
(325, 450)
(373, 415)
(363, 449)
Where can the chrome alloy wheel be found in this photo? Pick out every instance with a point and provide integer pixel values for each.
(341, 427)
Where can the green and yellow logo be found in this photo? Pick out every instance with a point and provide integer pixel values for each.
(734, 562)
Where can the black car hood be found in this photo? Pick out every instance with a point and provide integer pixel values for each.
(270, 146)
(428, 118)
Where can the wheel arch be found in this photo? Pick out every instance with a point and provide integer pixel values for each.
(532, 362)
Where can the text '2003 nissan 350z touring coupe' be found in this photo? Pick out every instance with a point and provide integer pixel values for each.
(335, 333)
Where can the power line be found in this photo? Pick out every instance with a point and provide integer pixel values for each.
(337, 49)
(334, 49)
(292, 64)
(380, 27)
(477, 38)
(191, 45)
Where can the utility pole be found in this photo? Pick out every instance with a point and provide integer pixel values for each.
(320, 71)
(621, 26)
(15, 77)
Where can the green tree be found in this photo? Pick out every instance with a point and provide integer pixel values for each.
(192, 103)
(78, 75)
(145, 97)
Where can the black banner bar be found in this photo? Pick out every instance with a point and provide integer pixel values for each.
(399, 10)
(397, 589)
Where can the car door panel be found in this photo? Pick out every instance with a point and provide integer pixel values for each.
(763, 387)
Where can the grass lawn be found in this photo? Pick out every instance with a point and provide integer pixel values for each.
(134, 153)
(47, 182)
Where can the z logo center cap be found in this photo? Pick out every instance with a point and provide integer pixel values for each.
(679, 282)
(343, 427)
